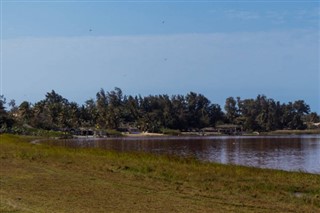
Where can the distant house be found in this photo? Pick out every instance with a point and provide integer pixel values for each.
(133, 130)
(225, 129)
(317, 125)
(129, 130)
(86, 132)
(209, 131)
(229, 129)
(100, 133)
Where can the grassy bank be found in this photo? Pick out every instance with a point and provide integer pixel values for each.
(295, 132)
(39, 178)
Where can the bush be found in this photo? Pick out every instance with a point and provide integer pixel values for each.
(23, 130)
(173, 132)
(114, 133)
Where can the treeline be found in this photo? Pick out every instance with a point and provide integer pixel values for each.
(113, 110)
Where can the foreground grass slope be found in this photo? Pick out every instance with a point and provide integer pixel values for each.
(39, 178)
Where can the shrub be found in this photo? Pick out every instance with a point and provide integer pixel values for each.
(171, 132)
(114, 133)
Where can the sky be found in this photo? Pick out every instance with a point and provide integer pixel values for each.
(216, 48)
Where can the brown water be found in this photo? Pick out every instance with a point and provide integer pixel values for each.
(291, 153)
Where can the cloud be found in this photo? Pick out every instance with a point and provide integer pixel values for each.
(278, 17)
(242, 14)
(312, 15)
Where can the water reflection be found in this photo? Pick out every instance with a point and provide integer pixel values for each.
(298, 153)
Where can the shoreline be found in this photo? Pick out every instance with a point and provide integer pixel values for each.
(162, 136)
(93, 142)
(200, 134)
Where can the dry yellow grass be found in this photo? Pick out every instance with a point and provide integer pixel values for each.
(38, 178)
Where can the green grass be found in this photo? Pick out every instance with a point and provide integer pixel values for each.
(114, 133)
(21, 130)
(41, 178)
(294, 132)
(172, 132)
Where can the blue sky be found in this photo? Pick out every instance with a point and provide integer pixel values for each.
(219, 49)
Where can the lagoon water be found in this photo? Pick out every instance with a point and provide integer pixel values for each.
(291, 153)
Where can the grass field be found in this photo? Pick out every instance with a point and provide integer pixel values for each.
(40, 178)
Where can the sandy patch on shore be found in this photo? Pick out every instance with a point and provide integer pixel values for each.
(143, 134)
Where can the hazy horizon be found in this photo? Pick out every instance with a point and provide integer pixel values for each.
(159, 47)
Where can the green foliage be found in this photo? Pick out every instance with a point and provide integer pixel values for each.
(231, 109)
(153, 113)
(23, 130)
(263, 114)
(6, 121)
(114, 133)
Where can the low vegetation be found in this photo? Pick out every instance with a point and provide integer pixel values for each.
(40, 178)
(172, 132)
(295, 132)
(114, 133)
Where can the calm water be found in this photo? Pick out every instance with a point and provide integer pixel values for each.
(298, 153)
